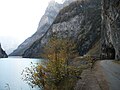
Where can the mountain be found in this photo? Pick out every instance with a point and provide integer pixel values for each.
(111, 29)
(81, 21)
(95, 29)
(2, 53)
(44, 24)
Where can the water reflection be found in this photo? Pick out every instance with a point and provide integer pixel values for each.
(10, 73)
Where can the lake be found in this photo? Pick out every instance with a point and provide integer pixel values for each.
(10, 73)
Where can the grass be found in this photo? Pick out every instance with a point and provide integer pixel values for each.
(68, 84)
(95, 50)
(115, 61)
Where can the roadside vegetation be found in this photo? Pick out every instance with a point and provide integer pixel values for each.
(58, 71)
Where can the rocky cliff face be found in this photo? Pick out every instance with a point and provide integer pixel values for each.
(111, 29)
(45, 22)
(2, 53)
(81, 20)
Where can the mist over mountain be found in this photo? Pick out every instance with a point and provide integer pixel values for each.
(9, 44)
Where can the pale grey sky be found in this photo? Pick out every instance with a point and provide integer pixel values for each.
(19, 19)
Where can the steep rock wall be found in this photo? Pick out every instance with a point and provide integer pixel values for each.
(81, 20)
(111, 29)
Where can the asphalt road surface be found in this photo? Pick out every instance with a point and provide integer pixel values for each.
(112, 73)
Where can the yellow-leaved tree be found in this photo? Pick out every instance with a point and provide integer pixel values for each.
(56, 73)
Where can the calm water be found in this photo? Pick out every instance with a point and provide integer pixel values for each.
(10, 73)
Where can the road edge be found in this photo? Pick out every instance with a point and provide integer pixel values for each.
(100, 76)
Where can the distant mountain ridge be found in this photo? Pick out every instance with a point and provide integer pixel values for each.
(44, 24)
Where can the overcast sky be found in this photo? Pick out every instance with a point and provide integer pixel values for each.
(19, 19)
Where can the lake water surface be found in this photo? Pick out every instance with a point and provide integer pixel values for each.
(10, 73)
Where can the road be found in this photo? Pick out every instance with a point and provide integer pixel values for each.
(112, 73)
